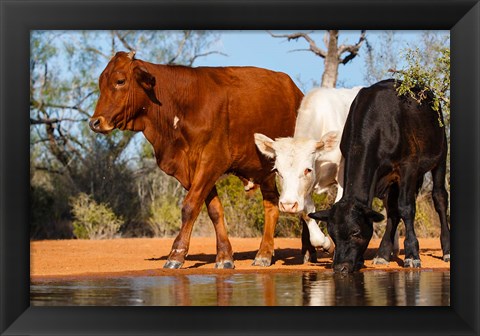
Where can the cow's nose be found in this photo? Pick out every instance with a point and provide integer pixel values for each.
(289, 206)
(94, 124)
(343, 268)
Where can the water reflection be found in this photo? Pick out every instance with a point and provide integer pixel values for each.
(413, 288)
(373, 288)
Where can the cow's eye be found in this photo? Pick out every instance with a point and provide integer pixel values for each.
(120, 82)
(357, 234)
(307, 171)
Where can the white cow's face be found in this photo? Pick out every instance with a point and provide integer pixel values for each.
(295, 165)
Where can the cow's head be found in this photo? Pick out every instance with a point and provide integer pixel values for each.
(125, 88)
(296, 165)
(350, 225)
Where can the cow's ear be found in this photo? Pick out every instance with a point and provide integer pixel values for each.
(373, 215)
(322, 215)
(144, 78)
(265, 145)
(328, 142)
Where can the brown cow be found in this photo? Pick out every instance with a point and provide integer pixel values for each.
(201, 124)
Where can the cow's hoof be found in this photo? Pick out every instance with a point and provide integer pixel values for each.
(412, 263)
(310, 257)
(446, 257)
(330, 246)
(380, 261)
(263, 262)
(173, 264)
(227, 264)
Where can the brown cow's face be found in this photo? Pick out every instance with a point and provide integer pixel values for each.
(124, 89)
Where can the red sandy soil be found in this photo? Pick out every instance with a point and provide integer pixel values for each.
(146, 256)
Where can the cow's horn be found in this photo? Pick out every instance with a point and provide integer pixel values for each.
(131, 54)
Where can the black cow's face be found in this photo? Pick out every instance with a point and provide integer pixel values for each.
(350, 226)
(122, 84)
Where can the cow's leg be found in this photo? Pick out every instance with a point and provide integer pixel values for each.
(390, 237)
(270, 205)
(317, 237)
(406, 208)
(440, 201)
(309, 252)
(224, 248)
(192, 204)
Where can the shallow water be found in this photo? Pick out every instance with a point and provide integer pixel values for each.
(373, 288)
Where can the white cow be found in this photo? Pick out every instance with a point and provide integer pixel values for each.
(301, 165)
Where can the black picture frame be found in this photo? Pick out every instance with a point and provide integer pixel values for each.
(18, 17)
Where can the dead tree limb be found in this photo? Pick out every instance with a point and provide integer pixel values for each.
(333, 55)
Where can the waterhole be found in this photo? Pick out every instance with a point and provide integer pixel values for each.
(372, 288)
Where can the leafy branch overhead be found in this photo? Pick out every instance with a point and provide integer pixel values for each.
(434, 76)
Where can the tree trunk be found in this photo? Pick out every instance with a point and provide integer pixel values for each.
(330, 74)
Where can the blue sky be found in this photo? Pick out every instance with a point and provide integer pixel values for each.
(258, 48)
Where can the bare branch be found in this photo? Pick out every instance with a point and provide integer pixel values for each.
(123, 40)
(190, 63)
(38, 141)
(294, 36)
(395, 71)
(294, 50)
(50, 170)
(181, 45)
(351, 49)
(98, 52)
(40, 105)
(53, 121)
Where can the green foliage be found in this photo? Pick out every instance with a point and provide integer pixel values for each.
(160, 199)
(64, 71)
(93, 220)
(418, 78)
(379, 228)
(243, 210)
(426, 219)
(109, 179)
(165, 216)
(322, 201)
(69, 160)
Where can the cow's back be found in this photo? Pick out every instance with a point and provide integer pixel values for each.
(215, 112)
(323, 110)
(259, 101)
(390, 129)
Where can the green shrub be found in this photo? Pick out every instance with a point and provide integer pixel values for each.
(93, 220)
(427, 223)
(165, 216)
(243, 210)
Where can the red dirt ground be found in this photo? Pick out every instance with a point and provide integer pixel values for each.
(146, 256)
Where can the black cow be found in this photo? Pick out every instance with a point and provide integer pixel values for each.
(389, 143)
